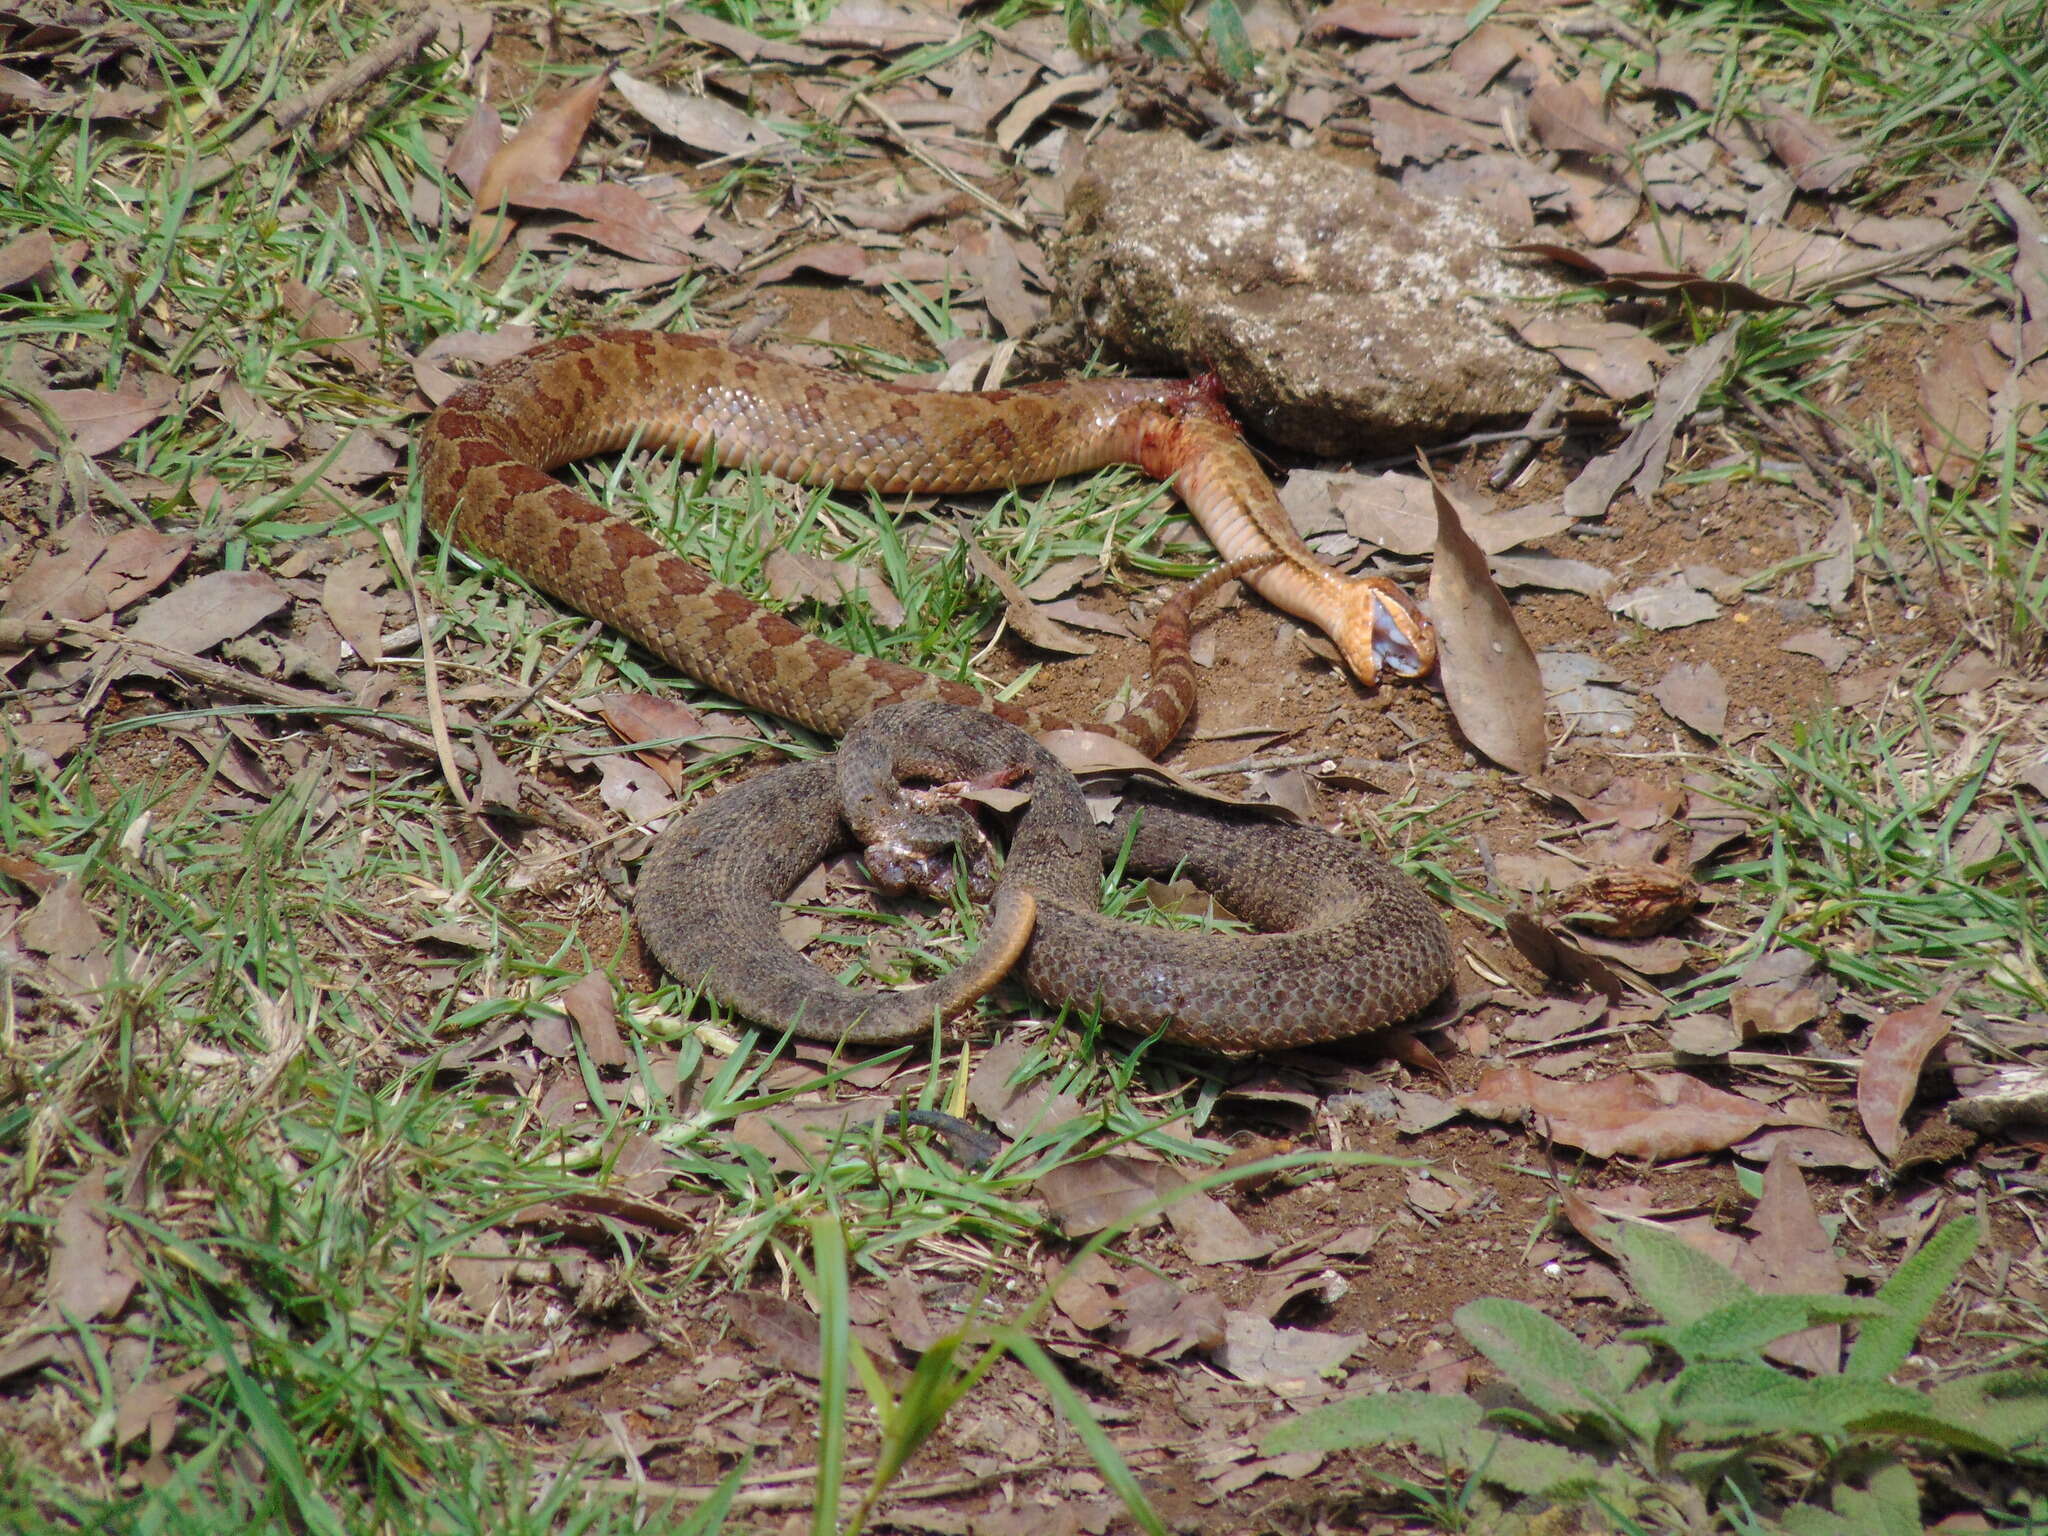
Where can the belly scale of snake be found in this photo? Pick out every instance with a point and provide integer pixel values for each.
(486, 456)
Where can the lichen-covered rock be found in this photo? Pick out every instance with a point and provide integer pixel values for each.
(1342, 314)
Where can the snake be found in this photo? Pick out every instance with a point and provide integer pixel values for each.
(485, 465)
(486, 455)
(1350, 943)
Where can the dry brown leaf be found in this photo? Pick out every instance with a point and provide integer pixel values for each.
(620, 1349)
(1017, 1109)
(1628, 273)
(27, 261)
(543, 148)
(1097, 1192)
(482, 1270)
(332, 330)
(634, 790)
(89, 1276)
(885, 26)
(1397, 512)
(253, 419)
(1600, 204)
(900, 217)
(1553, 573)
(1776, 1008)
(1642, 454)
(785, 1333)
(483, 348)
(792, 575)
(1367, 18)
(1791, 1255)
(833, 258)
(1658, 1116)
(91, 575)
(1486, 50)
(702, 122)
(1692, 693)
(348, 598)
(2029, 269)
(1490, 676)
(1566, 117)
(794, 1137)
(1679, 73)
(1164, 1321)
(1024, 616)
(1210, 1232)
(1402, 133)
(1889, 1075)
(1257, 1352)
(594, 1010)
(1810, 1147)
(1957, 383)
(741, 42)
(208, 610)
(1619, 359)
(1030, 107)
(993, 259)
(94, 421)
(619, 218)
(1818, 161)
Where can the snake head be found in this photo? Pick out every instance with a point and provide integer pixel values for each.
(1386, 629)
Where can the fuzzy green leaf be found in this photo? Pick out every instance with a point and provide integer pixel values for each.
(1911, 1295)
(1740, 1330)
(1436, 1423)
(1540, 1357)
(1624, 1362)
(1732, 1397)
(1877, 1407)
(1538, 1469)
(1679, 1283)
(1744, 1398)
(1888, 1505)
(2010, 1407)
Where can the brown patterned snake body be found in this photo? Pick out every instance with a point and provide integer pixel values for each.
(1357, 944)
(485, 456)
(484, 463)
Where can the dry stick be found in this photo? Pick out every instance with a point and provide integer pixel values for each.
(595, 629)
(400, 731)
(437, 712)
(769, 1497)
(897, 132)
(1523, 449)
(260, 138)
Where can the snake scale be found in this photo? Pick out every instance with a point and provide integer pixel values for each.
(1351, 943)
(485, 460)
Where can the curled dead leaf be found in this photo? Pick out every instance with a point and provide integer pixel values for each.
(1657, 1116)
(1890, 1073)
(1490, 676)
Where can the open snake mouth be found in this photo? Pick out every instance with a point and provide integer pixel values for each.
(1396, 643)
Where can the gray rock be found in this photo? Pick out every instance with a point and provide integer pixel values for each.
(1342, 314)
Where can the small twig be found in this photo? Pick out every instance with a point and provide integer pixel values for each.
(1469, 440)
(1258, 765)
(582, 642)
(437, 712)
(919, 153)
(398, 730)
(1523, 448)
(1328, 762)
(260, 138)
